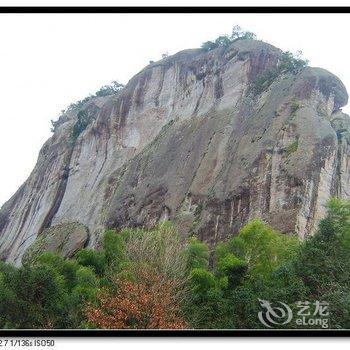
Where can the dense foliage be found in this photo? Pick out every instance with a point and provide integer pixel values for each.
(154, 279)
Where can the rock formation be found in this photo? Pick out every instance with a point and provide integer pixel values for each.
(188, 139)
(63, 239)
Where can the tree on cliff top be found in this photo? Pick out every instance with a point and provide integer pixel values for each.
(226, 40)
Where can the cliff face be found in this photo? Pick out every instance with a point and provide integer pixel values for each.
(187, 140)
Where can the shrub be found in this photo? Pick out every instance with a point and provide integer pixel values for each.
(83, 120)
(288, 64)
(65, 268)
(92, 259)
(209, 45)
(292, 147)
(264, 80)
(197, 254)
(233, 268)
(87, 284)
(81, 124)
(110, 89)
(239, 34)
(114, 248)
(225, 40)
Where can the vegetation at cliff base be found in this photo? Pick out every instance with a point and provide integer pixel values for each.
(154, 279)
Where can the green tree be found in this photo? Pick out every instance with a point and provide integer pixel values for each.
(209, 45)
(87, 284)
(65, 268)
(114, 248)
(206, 306)
(239, 34)
(223, 40)
(290, 63)
(110, 89)
(197, 254)
(93, 259)
(262, 248)
(232, 268)
(35, 295)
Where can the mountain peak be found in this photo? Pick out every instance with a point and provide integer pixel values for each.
(206, 139)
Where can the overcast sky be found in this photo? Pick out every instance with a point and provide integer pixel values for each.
(48, 61)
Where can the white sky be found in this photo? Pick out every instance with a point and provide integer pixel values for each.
(50, 60)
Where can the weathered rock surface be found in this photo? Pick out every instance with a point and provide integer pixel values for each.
(186, 140)
(63, 239)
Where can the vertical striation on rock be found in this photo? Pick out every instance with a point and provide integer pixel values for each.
(187, 140)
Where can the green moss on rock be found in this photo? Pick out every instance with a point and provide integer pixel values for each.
(292, 148)
(64, 239)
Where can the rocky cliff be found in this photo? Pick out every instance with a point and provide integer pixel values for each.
(190, 140)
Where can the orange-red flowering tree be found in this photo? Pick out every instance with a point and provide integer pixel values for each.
(148, 303)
